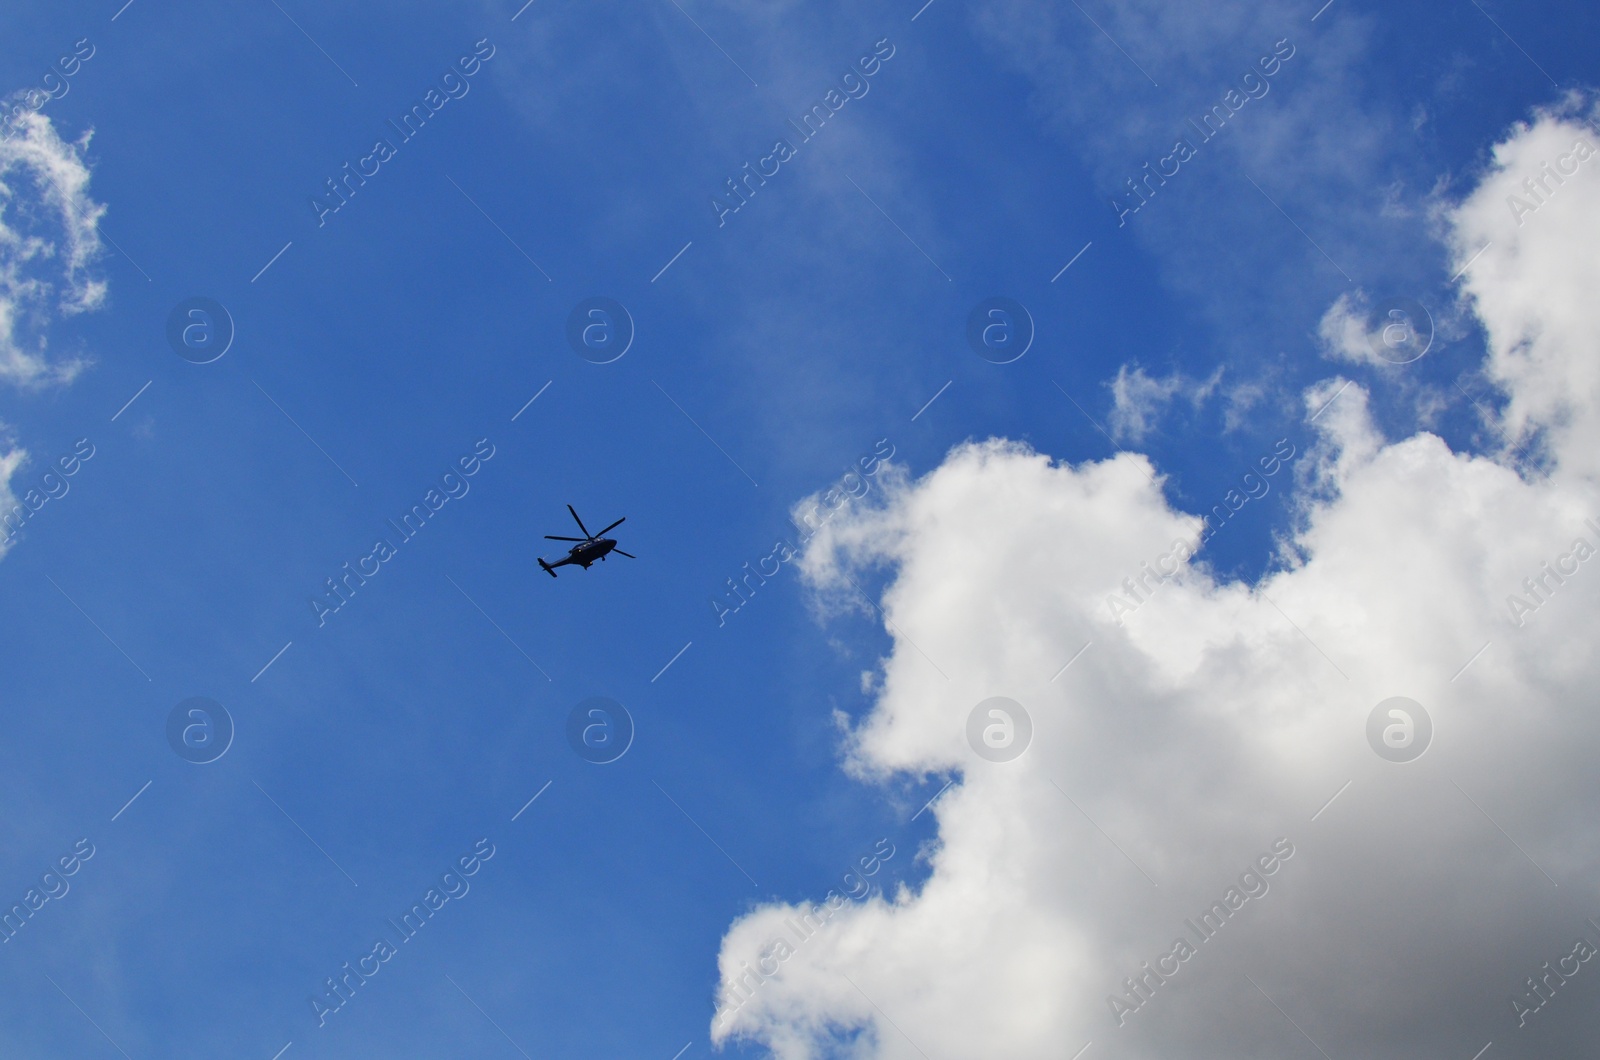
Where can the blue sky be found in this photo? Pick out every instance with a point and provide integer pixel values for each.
(374, 350)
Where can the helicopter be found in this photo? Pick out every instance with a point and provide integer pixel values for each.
(589, 547)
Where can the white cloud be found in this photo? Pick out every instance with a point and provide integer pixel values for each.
(1344, 330)
(1534, 287)
(1139, 400)
(12, 457)
(48, 246)
(1243, 399)
(1220, 715)
(1396, 332)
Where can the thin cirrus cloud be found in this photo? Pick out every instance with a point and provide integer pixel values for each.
(1220, 720)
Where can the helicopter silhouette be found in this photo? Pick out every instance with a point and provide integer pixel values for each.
(589, 547)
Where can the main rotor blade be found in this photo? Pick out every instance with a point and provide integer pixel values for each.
(619, 552)
(553, 537)
(618, 523)
(585, 529)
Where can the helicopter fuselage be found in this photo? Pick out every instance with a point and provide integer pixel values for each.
(587, 552)
(583, 554)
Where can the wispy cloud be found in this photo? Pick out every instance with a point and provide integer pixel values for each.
(1139, 400)
(49, 242)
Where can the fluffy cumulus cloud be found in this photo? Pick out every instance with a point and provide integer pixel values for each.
(1534, 286)
(1347, 334)
(1201, 852)
(48, 245)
